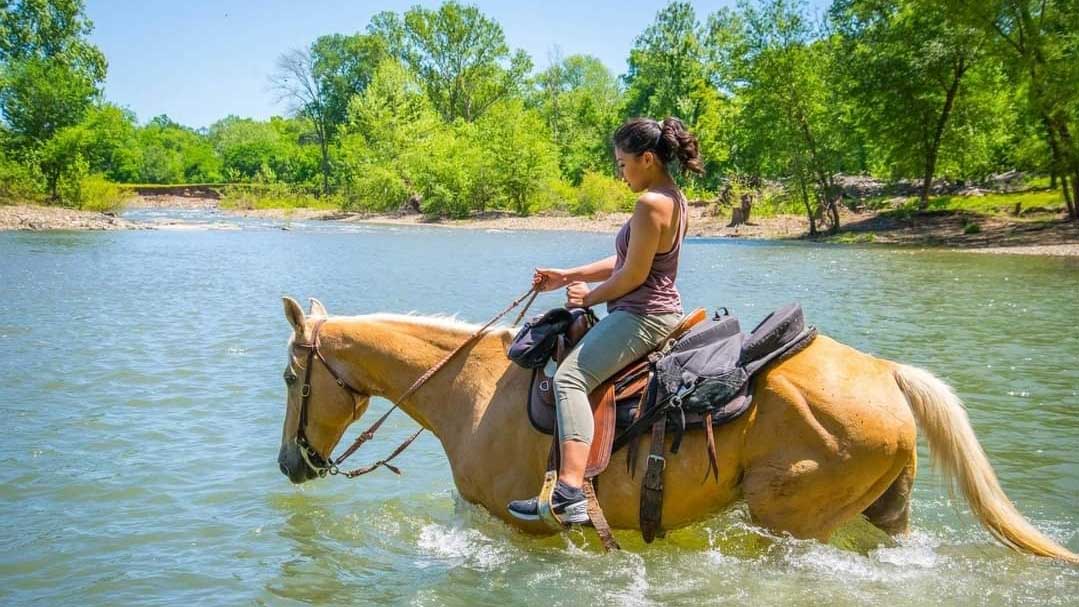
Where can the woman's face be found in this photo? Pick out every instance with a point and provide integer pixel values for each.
(637, 169)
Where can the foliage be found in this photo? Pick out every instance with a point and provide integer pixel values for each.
(578, 99)
(521, 154)
(601, 194)
(97, 193)
(670, 74)
(459, 55)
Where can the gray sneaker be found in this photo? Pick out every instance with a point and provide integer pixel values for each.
(568, 504)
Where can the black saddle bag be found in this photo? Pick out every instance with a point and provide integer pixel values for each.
(535, 342)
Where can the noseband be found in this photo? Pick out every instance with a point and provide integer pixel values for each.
(323, 466)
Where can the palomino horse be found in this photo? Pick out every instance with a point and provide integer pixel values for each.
(830, 435)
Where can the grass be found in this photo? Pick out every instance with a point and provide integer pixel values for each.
(852, 238)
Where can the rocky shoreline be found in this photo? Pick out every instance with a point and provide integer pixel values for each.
(945, 231)
(26, 217)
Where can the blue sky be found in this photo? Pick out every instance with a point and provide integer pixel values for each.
(199, 61)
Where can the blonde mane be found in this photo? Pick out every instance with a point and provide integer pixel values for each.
(447, 322)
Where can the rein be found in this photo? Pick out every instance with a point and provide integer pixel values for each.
(331, 466)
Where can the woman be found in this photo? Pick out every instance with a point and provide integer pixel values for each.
(643, 305)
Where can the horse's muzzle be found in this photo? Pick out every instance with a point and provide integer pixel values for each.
(291, 463)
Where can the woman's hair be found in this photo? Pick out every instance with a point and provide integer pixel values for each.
(668, 140)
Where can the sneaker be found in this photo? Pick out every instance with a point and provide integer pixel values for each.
(568, 504)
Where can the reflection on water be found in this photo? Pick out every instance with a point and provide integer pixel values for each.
(144, 404)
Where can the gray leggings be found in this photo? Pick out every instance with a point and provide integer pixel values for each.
(618, 339)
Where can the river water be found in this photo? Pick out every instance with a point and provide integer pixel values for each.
(143, 402)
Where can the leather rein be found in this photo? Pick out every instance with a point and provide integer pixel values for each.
(330, 465)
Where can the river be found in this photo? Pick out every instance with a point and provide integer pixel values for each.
(143, 399)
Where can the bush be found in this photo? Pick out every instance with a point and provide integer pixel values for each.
(554, 195)
(602, 194)
(378, 188)
(100, 194)
(20, 182)
(273, 196)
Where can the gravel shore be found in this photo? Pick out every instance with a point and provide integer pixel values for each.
(34, 217)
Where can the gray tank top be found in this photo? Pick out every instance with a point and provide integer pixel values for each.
(657, 295)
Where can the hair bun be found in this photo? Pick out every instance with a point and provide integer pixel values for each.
(682, 143)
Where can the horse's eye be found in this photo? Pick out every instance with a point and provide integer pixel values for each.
(290, 377)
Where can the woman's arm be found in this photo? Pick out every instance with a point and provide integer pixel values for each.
(645, 230)
(593, 272)
(548, 279)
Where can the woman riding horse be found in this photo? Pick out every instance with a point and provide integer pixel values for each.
(643, 303)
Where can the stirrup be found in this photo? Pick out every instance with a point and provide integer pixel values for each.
(546, 513)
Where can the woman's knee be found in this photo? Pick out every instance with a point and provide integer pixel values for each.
(568, 377)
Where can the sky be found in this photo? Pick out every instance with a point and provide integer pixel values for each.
(199, 61)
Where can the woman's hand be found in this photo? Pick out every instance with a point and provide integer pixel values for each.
(576, 293)
(549, 279)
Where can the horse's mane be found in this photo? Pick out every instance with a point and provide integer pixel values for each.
(447, 322)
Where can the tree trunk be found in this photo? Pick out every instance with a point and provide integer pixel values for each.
(938, 134)
(808, 206)
(325, 160)
(1068, 200)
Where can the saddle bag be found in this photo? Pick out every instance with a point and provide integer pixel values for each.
(712, 365)
(537, 339)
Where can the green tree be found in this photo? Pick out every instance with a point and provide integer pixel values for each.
(173, 153)
(344, 66)
(459, 55)
(1038, 43)
(788, 123)
(519, 153)
(906, 62)
(385, 135)
(578, 99)
(670, 74)
(49, 74)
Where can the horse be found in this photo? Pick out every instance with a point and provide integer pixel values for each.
(830, 435)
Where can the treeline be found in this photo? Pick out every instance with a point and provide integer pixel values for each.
(434, 107)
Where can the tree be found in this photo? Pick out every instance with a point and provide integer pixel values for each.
(1038, 40)
(578, 99)
(778, 69)
(459, 55)
(49, 74)
(344, 66)
(173, 153)
(384, 135)
(245, 146)
(669, 74)
(666, 64)
(520, 153)
(297, 83)
(906, 62)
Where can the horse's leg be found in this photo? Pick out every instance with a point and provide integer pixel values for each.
(891, 511)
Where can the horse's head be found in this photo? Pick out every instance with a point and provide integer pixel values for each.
(322, 399)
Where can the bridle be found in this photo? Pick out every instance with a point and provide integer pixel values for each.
(323, 466)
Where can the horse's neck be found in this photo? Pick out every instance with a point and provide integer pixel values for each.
(389, 355)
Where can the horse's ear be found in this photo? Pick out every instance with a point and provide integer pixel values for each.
(294, 314)
(317, 309)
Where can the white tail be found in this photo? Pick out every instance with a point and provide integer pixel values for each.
(941, 415)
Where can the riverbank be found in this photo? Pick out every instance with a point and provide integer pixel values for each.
(25, 217)
(1044, 234)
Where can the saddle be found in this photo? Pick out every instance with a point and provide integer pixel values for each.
(700, 377)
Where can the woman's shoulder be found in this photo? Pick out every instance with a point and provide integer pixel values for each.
(656, 202)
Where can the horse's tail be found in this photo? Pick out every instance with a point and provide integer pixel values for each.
(941, 415)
